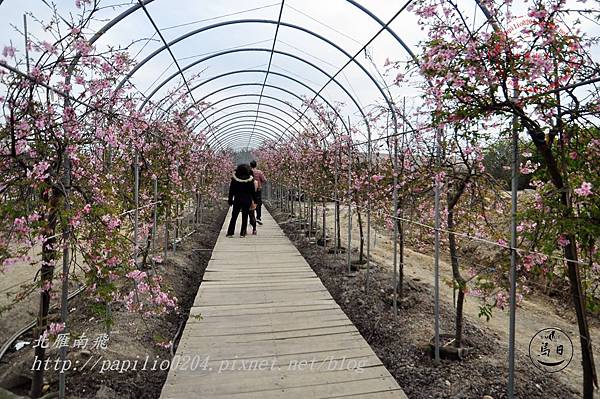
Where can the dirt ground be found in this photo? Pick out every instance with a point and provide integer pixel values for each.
(535, 313)
(132, 337)
(402, 341)
(11, 282)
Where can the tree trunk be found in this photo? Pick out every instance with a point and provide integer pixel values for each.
(400, 287)
(49, 256)
(458, 279)
(587, 357)
(361, 234)
(570, 251)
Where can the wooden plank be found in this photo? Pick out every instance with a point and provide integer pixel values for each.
(260, 303)
(278, 390)
(231, 382)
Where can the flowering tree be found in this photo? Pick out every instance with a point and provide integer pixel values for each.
(495, 74)
(67, 166)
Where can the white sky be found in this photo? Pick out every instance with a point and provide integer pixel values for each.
(337, 20)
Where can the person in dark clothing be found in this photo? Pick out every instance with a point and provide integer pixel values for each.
(241, 196)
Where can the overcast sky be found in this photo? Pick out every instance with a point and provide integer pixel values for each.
(336, 20)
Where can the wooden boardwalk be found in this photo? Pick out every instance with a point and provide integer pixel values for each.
(269, 329)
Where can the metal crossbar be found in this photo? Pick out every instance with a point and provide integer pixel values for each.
(262, 89)
(350, 60)
(168, 47)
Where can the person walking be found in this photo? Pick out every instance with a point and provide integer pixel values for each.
(241, 195)
(261, 180)
(251, 214)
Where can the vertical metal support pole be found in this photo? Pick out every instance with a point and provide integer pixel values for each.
(136, 200)
(513, 258)
(65, 276)
(197, 213)
(312, 221)
(154, 213)
(369, 166)
(437, 191)
(176, 227)
(304, 210)
(167, 226)
(292, 200)
(395, 221)
(200, 203)
(324, 225)
(26, 34)
(335, 212)
(349, 248)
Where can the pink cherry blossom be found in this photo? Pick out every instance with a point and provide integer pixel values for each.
(585, 190)
(56, 328)
(563, 241)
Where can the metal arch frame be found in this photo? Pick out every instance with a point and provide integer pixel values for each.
(269, 133)
(243, 125)
(284, 76)
(352, 59)
(134, 8)
(248, 84)
(268, 68)
(301, 122)
(270, 114)
(254, 103)
(170, 50)
(236, 143)
(240, 133)
(257, 49)
(243, 119)
(273, 87)
(243, 111)
(255, 95)
(113, 22)
(262, 121)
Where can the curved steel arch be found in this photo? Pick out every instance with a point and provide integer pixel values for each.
(270, 86)
(228, 23)
(253, 110)
(237, 120)
(242, 136)
(277, 87)
(270, 115)
(243, 50)
(289, 78)
(266, 132)
(113, 22)
(241, 131)
(255, 95)
(253, 103)
(263, 119)
(261, 21)
(363, 9)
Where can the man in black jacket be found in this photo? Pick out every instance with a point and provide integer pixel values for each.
(241, 195)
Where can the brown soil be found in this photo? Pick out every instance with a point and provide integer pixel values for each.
(402, 341)
(132, 337)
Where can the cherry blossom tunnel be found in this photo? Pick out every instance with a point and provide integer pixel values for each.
(241, 95)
